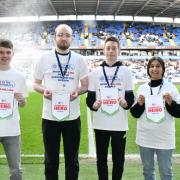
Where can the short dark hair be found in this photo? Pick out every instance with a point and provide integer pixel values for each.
(160, 60)
(112, 38)
(6, 43)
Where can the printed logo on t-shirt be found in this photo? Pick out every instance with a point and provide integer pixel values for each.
(103, 83)
(69, 76)
(7, 85)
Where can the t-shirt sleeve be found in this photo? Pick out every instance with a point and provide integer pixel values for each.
(23, 87)
(38, 71)
(91, 79)
(128, 80)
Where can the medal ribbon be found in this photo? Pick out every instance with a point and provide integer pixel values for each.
(114, 76)
(160, 87)
(63, 73)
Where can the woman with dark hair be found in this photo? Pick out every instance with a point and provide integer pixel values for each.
(158, 102)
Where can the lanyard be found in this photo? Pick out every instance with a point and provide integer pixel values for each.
(60, 66)
(114, 76)
(160, 87)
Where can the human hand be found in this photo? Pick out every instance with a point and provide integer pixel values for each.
(73, 95)
(21, 100)
(122, 102)
(168, 98)
(97, 104)
(141, 100)
(48, 94)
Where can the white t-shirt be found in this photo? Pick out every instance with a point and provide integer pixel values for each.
(14, 81)
(47, 69)
(157, 135)
(123, 80)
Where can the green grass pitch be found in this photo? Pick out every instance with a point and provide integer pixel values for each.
(32, 136)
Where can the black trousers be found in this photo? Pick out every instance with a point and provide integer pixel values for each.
(70, 131)
(118, 143)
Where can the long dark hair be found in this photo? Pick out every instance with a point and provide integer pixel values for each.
(160, 60)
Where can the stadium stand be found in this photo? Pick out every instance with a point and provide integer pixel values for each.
(92, 34)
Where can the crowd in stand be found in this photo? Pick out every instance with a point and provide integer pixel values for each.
(138, 68)
(88, 34)
(39, 35)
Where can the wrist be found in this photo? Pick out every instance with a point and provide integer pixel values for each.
(22, 102)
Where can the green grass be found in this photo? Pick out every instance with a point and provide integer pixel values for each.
(31, 126)
(132, 170)
(84, 133)
(33, 168)
(32, 136)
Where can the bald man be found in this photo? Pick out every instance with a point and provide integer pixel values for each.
(61, 76)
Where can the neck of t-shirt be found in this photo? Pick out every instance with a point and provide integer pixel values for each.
(4, 67)
(110, 63)
(62, 52)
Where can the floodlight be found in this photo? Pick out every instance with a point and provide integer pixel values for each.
(8, 19)
(163, 19)
(124, 18)
(67, 17)
(86, 17)
(177, 20)
(143, 18)
(107, 18)
(28, 18)
(48, 18)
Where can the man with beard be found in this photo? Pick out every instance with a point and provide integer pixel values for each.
(61, 76)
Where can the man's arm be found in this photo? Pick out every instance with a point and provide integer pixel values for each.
(81, 90)
(84, 86)
(38, 87)
(21, 100)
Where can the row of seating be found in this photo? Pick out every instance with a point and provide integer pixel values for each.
(91, 34)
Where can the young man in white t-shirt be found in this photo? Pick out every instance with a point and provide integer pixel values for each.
(110, 94)
(61, 76)
(13, 93)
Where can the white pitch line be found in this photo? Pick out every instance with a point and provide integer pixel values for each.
(127, 156)
(42, 155)
(92, 150)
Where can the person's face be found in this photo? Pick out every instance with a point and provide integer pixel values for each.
(63, 38)
(155, 70)
(111, 51)
(6, 55)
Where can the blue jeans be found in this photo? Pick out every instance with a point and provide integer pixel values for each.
(164, 158)
(70, 132)
(12, 148)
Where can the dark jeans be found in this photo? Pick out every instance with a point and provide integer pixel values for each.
(118, 143)
(70, 131)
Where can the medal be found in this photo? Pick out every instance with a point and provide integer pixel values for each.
(60, 106)
(6, 104)
(154, 108)
(109, 98)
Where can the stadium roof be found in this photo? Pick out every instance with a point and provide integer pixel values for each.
(153, 8)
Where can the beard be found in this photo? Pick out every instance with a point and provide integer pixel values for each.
(63, 45)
